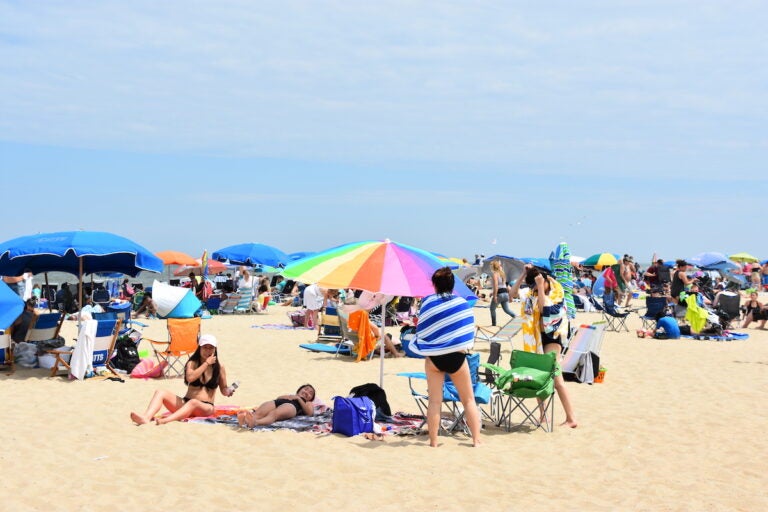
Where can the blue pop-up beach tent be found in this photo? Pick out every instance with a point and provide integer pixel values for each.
(174, 301)
(11, 306)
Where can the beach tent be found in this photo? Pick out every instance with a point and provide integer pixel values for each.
(11, 306)
(174, 301)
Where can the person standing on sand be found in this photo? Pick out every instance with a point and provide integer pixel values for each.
(545, 308)
(445, 331)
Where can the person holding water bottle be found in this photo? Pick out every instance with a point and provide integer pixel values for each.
(202, 374)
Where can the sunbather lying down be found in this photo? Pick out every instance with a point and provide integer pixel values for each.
(283, 407)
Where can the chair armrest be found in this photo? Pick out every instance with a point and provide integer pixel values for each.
(155, 342)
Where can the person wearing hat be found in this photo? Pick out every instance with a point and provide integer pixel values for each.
(202, 374)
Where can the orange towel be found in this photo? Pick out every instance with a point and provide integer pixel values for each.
(360, 323)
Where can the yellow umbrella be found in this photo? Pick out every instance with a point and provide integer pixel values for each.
(743, 257)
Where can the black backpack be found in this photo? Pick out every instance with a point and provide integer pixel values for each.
(127, 354)
(376, 394)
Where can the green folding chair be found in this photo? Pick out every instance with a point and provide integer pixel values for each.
(532, 376)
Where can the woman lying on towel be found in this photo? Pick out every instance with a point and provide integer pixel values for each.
(202, 375)
(283, 407)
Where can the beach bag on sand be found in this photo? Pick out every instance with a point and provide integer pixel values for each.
(297, 318)
(148, 369)
(126, 354)
(352, 415)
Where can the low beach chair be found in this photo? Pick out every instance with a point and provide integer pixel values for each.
(330, 329)
(504, 333)
(6, 350)
(613, 316)
(581, 360)
(104, 335)
(483, 394)
(45, 326)
(532, 377)
(654, 309)
(229, 304)
(183, 335)
(245, 304)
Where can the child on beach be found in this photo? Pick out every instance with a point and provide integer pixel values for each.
(202, 375)
(283, 407)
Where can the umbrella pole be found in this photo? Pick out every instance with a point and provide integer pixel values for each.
(48, 293)
(382, 349)
(79, 291)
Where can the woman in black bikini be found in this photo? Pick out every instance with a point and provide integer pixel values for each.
(202, 375)
(283, 407)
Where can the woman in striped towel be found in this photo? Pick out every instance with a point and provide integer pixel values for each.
(444, 333)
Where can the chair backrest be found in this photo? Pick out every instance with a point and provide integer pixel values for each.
(5, 347)
(107, 315)
(494, 357)
(123, 312)
(510, 329)
(101, 297)
(44, 326)
(213, 302)
(345, 330)
(104, 342)
(330, 321)
(654, 306)
(183, 334)
(729, 304)
(544, 362)
(663, 275)
(246, 297)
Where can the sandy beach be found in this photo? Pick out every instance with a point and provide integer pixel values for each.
(677, 425)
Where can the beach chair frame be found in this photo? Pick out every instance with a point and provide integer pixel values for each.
(103, 347)
(183, 337)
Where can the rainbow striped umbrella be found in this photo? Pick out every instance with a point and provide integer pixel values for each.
(600, 260)
(376, 266)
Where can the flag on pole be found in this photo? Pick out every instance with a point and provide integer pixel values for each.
(204, 264)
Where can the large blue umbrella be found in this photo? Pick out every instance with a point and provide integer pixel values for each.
(252, 254)
(78, 253)
(712, 261)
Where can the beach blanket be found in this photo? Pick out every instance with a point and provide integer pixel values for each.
(400, 424)
(731, 336)
(282, 327)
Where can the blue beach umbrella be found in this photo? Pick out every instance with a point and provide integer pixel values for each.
(78, 253)
(252, 254)
(560, 260)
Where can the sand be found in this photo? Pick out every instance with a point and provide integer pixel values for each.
(677, 425)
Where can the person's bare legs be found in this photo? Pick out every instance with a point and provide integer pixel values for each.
(435, 380)
(283, 412)
(160, 398)
(390, 347)
(562, 391)
(190, 409)
(463, 382)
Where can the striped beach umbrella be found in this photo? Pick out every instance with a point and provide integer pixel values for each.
(600, 260)
(373, 265)
(560, 260)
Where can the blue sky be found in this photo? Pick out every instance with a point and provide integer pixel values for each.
(633, 126)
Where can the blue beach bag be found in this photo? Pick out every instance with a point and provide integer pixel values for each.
(352, 415)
